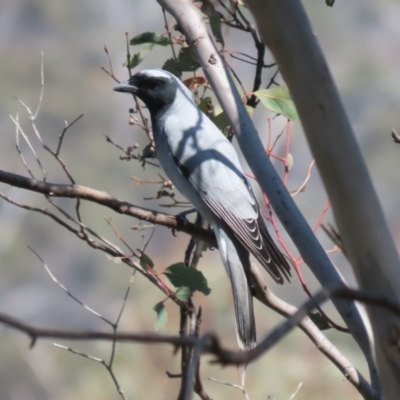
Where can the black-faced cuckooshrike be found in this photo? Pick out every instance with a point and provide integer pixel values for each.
(203, 165)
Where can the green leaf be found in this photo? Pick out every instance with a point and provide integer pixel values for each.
(278, 100)
(171, 65)
(163, 193)
(217, 109)
(183, 293)
(150, 37)
(319, 320)
(137, 58)
(330, 3)
(179, 275)
(215, 23)
(140, 227)
(162, 316)
(222, 121)
(249, 109)
(205, 246)
(145, 261)
(186, 60)
(206, 106)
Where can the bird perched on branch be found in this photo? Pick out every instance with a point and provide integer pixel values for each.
(203, 165)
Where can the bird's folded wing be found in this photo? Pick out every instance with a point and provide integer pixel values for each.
(223, 187)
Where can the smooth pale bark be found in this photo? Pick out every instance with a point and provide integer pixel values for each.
(286, 30)
(192, 24)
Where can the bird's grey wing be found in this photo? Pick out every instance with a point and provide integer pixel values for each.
(210, 164)
(216, 175)
(182, 157)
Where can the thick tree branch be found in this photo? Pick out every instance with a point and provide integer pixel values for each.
(368, 243)
(192, 24)
(104, 199)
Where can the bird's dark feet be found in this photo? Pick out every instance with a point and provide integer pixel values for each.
(182, 216)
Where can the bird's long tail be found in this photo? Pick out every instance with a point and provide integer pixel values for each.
(236, 260)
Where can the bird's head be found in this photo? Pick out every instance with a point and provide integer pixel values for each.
(155, 87)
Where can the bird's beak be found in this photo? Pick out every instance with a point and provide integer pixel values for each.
(125, 87)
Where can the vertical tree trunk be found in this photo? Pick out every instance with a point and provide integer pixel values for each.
(286, 30)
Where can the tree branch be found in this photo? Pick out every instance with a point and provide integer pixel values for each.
(366, 237)
(322, 343)
(104, 199)
(295, 224)
(209, 343)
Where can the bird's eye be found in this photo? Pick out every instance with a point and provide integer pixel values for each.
(155, 83)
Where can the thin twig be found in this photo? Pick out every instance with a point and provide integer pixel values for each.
(20, 130)
(64, 131)
(110, 250)
(98, 360)
(233, 385)
(128, 289)
(121, 239)
(169, 34)
(18, 147)
(137, 103)
(69, 294)
(41, 86)
(73, 351)
(303, 185)
(111, 73)
(395, 136)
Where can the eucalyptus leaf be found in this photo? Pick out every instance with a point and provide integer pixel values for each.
(278, 99)
(215, 23)
(183, 293)
(319, 320)
(222, 121)
(145, 261)
(206, 106)
(150, 37)
(163, 193)
(162, 316)
(187, 61)
(180, 275)
(171, 65)
(137, 58)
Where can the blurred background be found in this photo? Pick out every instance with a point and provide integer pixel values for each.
(361, 40)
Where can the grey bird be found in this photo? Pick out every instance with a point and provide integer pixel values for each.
(203, 165)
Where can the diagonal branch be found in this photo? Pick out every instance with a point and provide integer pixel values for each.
(323, 344)
(369, 244)
(295, 224)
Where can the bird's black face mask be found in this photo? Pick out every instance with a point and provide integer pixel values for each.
(158, 93)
